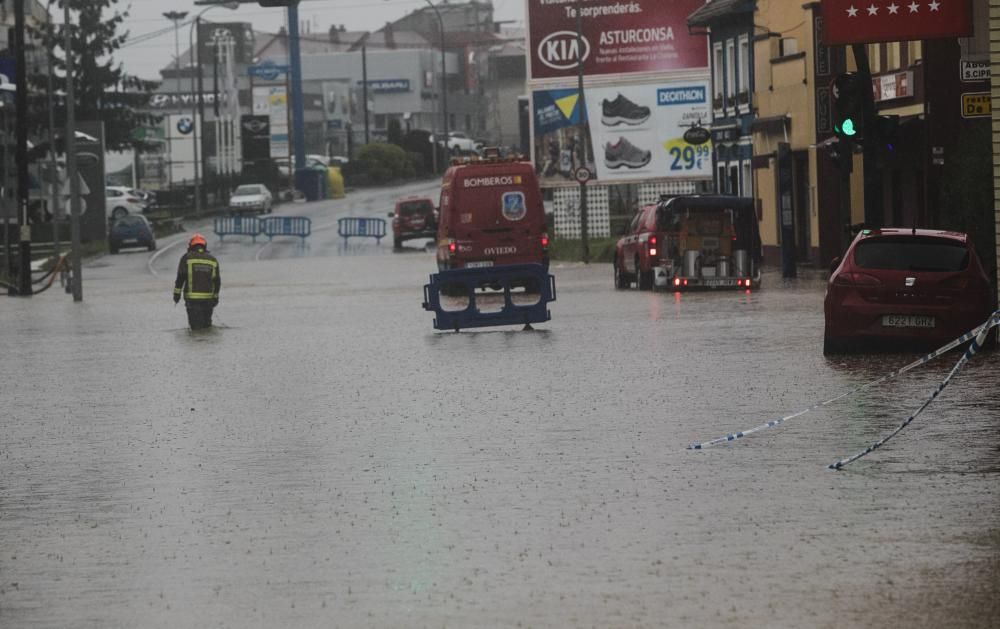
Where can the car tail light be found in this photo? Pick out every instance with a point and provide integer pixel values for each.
(452, 247)
(652, 240)
(958, 282)
(677, 281)
(132, 199)
(685, 282)
(856, 279)
(545, 241)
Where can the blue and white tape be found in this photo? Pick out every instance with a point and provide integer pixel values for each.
(974, 347)
(982, 330)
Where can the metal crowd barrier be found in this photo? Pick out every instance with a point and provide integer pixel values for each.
(368, 227)
(237, 226)
(272, 226)
(459, 284)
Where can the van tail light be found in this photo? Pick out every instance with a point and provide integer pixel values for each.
(856, 280)
(652, 251)
(677, 281)
(652, 241)
(452, 247)
(545, 241)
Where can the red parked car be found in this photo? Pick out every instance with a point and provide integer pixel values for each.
(909, 289)
(413, 217)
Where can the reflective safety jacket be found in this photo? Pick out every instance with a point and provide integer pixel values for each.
(198, 276)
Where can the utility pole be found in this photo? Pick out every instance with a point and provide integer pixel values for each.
(873, 179)
(298, 107)
(364, 88)
(581, 112)
(71, 172)
(21, 151)
(53, 168)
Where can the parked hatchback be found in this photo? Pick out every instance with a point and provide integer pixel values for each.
(120, 201)
(905, 289)
(131, 231)
(413, 217)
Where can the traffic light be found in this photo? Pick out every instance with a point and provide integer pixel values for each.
(849, 106)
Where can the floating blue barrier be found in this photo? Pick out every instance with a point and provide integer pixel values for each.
(237, 226)
(364, 227)
(272, 226)
(482, 311)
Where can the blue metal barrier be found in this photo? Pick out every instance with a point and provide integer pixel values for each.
(370, 227)
(464, 282)
(237, 226)
(273, 226)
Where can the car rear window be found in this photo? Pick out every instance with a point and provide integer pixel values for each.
(408, 208)
(911, 254)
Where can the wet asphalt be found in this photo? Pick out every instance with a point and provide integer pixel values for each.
(323, 458)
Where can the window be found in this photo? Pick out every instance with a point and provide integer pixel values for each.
(746, 183)
(916, 51)
(892, 56)
(734, 179)
(718, 74)
(744, 78)
(380, 121)
(912, 254)
(730, 70)
(720, 181)
(875, 57)
(788, 46)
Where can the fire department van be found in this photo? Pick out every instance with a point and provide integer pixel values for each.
(491, 214)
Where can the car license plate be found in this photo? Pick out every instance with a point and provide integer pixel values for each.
(477, 265)
(130, 241)
(907, 321)
(719, 282)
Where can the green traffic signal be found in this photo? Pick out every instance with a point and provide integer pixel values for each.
(848, 127)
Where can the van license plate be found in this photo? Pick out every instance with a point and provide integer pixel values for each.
(477, 265)
(907, 321)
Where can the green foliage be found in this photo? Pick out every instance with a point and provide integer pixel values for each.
(966, 202)
(383, 162)
(103, 90)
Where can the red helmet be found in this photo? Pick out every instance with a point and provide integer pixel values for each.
(197, 240)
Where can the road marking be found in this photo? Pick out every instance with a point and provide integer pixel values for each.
(159, 252)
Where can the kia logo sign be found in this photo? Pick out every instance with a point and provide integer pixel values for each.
(561, 50)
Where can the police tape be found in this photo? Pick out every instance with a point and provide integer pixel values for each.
(974, 347)
(983, 330)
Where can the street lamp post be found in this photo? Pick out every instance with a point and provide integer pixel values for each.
(444, 78)
(196, 96)
(176, 17)
(581, 110)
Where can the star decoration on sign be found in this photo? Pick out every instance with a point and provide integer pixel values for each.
(893, 8)
(852, 12)
(873, 10)
(934, 5)
(914, 7)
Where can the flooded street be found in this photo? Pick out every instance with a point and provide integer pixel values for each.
(323, 458)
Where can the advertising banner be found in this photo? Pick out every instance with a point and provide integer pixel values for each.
(558, 149)
(853, 22)
(638, 130)
(272, 101)
(618, 37)
(241, 33)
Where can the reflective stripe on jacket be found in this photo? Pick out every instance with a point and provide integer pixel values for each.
(198, 276)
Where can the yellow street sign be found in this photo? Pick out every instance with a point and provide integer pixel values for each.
(976, 105)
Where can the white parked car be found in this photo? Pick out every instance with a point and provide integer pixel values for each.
(458, 142)
(120, 201)
(251, 197)
(312, 161)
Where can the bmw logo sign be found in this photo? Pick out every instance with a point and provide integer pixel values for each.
(185, 125)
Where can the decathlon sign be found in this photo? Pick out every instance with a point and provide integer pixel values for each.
(617, 37)
(694, 95)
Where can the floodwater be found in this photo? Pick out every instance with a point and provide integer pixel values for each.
(323, 458)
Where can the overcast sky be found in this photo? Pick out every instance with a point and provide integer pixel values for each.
(146, 58)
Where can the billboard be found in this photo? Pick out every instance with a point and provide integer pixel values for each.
(256, 137)
(617, 37)
(633, 132)
(241, 33)
(272, 101)
(852, 22)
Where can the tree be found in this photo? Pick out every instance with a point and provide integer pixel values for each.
(103, 90)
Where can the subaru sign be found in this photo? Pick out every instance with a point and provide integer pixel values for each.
(388, 86)
(267, 71)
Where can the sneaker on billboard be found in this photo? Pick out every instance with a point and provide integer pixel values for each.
(623, 111)
(624, 153)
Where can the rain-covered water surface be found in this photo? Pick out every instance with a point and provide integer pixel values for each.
(323, 458)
